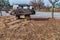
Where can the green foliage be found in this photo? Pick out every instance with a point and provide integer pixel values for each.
(53, 1)
(50, 6)
(4, 3)
(57, 4)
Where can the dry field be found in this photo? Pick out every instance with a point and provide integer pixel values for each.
(12, 29)
(49, 10)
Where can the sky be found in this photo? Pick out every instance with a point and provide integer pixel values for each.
(26, 2)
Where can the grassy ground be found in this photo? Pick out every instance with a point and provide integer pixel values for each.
(32, 30)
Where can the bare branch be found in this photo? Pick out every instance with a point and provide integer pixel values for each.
(53, 1)
(56, 1)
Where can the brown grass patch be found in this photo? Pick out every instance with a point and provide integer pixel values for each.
(33, 30)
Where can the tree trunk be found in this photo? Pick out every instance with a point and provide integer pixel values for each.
(53, 11)
(1, 13)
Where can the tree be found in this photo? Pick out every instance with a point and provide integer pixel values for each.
(37, 4)
(4, 3)
(57, 5)
(1, 5)
(34, 1)
(40, 3)
(53, 6)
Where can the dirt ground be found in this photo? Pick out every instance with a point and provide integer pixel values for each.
(32, 30)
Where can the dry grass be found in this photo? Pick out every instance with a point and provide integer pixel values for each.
(45, 10)
(33, 30)
(49, 10)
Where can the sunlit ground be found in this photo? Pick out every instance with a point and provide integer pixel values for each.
(12, 29)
